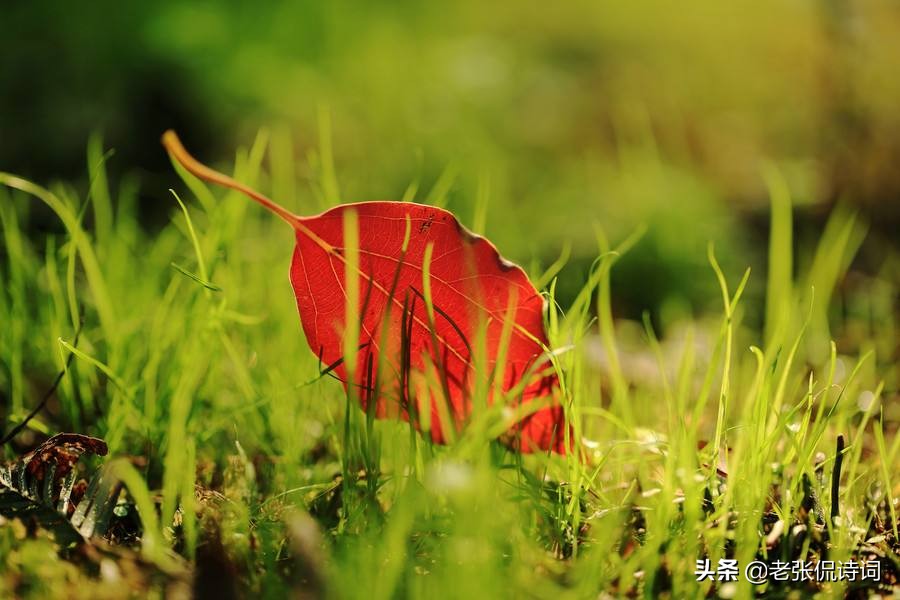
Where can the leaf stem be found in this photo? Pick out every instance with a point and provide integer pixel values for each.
(177, 151)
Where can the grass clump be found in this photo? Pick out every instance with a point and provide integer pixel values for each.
(252, 473)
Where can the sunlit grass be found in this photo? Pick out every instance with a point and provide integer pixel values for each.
(692, 442)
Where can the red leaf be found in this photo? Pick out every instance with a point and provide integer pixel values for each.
(412, 359)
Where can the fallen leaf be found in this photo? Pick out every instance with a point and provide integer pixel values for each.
(43, 484)
(417, 361)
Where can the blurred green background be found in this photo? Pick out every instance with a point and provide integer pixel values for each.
(562, 116)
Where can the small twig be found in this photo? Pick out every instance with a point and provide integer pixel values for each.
(18, 428)
(811, 500)
(836, 479)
